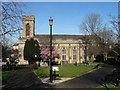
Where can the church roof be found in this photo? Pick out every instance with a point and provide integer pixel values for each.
(62, 38)
(59, 36)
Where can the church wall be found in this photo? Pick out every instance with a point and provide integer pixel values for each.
(69, 53)
(21, 52)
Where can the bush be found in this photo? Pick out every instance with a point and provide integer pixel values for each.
(8, 67)
(113, 61)
(99, 58)
(35, 66)
(12, 67)
(85, 62)
(55, 63)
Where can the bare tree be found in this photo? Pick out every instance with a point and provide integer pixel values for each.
(114, 21)
(92, 23)
(115, 26)
(10, 17)
(105, 37)
(100, 36)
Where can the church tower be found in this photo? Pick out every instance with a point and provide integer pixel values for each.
(28, 23)
(28, 27)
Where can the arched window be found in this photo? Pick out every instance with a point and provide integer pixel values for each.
(74, 53)
(27, 29)
(63, 53)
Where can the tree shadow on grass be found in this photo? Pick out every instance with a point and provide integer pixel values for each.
(112, 78)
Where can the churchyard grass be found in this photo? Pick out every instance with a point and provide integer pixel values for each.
(109, 86)
(67, 70)
(6, 74)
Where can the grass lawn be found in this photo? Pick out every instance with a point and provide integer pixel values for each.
(110, 87)
(68, 70)
(6, 75)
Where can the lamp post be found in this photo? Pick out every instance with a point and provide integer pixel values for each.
(51, 23)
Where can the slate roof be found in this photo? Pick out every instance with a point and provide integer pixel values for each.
(63, 37)
(60, 36)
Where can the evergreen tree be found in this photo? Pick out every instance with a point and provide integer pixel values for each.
(31, 50)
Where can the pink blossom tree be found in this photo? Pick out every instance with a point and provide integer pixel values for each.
(45, 54)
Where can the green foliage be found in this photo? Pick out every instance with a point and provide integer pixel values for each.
(115, 52)
(71, 70)
(109, 87)
(42, 72)
(7, 74)
(5, 53)
(31, 49)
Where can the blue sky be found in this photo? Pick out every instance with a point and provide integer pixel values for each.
(67, 16)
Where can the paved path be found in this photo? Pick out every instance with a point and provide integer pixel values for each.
(24, 79)
(89, 80)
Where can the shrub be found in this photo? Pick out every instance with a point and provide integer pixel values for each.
(12, 67)
(35, 66)
(99, 58)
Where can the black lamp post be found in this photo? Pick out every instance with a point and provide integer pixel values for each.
(51, 23)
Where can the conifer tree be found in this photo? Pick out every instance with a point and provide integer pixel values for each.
(31, 50)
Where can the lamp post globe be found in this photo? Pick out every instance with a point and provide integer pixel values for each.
(50, 21)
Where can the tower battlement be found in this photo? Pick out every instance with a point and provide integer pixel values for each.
(31, 17)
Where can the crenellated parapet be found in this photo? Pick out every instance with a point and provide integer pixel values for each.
(28, 18)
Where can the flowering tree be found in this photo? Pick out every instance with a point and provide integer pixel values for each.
(45, 54)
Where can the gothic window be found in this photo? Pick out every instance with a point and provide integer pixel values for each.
(63, 53)
(27, 29)
(74, 53)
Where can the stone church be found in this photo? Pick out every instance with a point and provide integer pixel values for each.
(70, 46)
